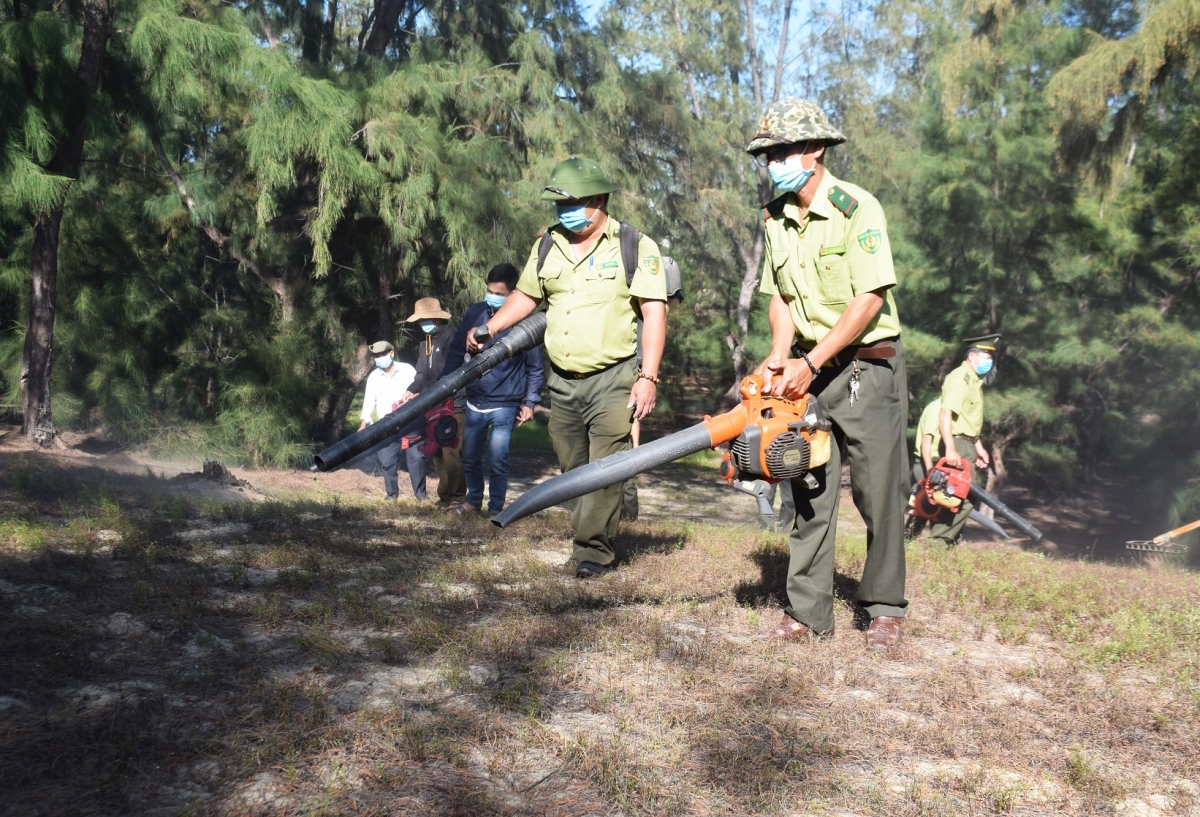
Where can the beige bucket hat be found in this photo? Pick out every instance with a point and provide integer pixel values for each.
(428, 308)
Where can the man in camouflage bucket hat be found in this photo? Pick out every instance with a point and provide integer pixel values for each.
(793, 120)
(595, 383)
(827, 266)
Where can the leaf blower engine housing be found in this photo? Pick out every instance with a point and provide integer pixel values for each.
(944, 488)
(782, 439)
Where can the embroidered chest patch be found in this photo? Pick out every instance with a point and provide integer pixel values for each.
(870, 241)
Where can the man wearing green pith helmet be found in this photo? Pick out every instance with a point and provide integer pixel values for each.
(596, 387)
(960, 422)
(827, 266)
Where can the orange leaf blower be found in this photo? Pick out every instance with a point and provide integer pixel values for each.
(770, 439)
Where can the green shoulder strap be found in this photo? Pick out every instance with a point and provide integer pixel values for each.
(843, 200)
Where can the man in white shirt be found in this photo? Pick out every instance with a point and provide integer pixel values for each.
(386, 387)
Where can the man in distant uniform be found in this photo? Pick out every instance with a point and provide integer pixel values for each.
(961, 419)
(835, 334)
(928, 444)
(926, 451)
(595, 385)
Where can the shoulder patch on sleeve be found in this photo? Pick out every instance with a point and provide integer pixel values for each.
(843, 200)
(870, 240)
(775, 207)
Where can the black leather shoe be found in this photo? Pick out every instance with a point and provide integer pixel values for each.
(591, 570)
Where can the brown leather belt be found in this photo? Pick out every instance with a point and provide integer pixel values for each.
(871, 351)
(563, 373)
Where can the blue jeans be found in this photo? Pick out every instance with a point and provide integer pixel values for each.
(475, 436)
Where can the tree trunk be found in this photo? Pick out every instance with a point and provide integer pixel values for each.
(37, 359)
(334, 416)
(383, 24)
(39, 334)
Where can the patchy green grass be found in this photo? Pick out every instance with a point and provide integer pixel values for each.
(1112, 617)
(174, 654)
(532, 435)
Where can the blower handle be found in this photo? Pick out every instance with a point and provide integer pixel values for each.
(963, 465)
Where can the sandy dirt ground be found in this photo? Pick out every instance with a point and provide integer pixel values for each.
(286, 643)
(1087, 523)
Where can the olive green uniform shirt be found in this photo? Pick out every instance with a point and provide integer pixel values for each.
(962, 393)
(591, 318)
(820, 262)
(928, 424)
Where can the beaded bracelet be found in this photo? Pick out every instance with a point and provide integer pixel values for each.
(650, 377)
(804, 357)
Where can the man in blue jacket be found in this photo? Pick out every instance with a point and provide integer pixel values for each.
(502, 398)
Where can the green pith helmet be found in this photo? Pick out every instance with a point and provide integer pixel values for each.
(793, 120)
(984, 343)
(576, 178)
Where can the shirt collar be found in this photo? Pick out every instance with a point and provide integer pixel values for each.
(972, 375)
(820, 203)
(611, 230)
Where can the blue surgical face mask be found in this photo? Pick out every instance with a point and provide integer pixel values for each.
(791, 176)
(494, 301)
(983, 368)
(428, 326)
(573, 216)
(383, 362)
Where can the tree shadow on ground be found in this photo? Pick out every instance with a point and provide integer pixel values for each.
(635, 542)
(771, 586)
(160, 654)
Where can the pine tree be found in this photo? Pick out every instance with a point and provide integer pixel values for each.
(49, 107)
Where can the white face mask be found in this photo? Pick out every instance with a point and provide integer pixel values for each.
(384, 362)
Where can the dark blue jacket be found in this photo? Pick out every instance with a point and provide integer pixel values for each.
(515, 382)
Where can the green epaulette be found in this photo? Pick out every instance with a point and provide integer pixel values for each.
(775, 207)
(843, 200)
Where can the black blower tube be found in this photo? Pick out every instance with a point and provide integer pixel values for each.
(990, 524)
(603, 473)
(982, 497)
(522, 337)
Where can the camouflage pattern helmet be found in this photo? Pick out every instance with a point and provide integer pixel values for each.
(576, 178)
(793, 120)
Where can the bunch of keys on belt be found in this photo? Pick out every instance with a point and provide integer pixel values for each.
(855, 376)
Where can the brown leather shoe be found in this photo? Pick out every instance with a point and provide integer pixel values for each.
(788, 629)
(884, 632)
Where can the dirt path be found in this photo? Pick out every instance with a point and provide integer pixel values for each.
(1086, 524)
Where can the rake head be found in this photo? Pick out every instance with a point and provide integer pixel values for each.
(1150, 546)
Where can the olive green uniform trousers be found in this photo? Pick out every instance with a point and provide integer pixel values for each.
(948, 526)
(590, 419)
(870, 434)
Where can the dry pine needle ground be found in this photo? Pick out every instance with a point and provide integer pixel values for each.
(173, 656)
